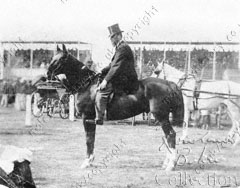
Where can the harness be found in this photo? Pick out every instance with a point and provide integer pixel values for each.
(196, 92)
(84, 83)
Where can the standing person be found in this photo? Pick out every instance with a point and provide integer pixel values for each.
(11, 92)
(22, 95)
(120, 74)
(17, 91)
(91, 65)
(4, 101)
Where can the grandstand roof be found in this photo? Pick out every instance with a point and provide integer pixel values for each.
(49, 45)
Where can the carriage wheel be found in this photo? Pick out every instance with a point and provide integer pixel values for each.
(64, 106)
(38, 112)
(64, 110)
(37, 108)
(50, 112)
(52, 107)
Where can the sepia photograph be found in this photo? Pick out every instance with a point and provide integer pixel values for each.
(119, 94)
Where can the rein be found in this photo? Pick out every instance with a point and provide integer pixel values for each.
(52, 75)
(182, 80)
(85, 82)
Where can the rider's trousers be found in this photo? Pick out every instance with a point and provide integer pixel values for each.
(102, 97)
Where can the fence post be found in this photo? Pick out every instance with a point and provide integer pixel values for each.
(189, 59)
(71, 108)
(238, 57)
(28, 116)
(214, 63)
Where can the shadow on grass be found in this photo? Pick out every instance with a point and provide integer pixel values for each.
(209, 167)
(23, 132)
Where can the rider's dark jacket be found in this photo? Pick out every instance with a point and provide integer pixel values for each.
(121, 72)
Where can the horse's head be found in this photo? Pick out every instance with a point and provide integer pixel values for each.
(75, 71)
(159, 68)
(63, 63)
(57, 63)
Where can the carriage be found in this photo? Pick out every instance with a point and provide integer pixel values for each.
(51, 98)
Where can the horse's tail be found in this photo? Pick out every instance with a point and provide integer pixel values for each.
(178, 108)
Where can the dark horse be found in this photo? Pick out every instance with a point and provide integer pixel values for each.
(158, 96)
(20, 177)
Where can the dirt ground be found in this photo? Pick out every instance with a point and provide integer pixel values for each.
(125, 156)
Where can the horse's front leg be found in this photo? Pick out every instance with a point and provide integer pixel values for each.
(90, 131)
(218, 116)
(186, 119)
(170, 142)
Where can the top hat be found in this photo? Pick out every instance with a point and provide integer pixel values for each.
(114, 29)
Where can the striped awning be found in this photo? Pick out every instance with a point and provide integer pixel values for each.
(46, 45)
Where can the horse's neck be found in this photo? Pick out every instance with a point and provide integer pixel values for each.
(172, 74)
(72, 79)
(84, 83)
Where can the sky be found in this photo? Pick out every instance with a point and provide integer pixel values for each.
(87, 20)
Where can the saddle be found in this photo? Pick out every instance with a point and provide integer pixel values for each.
(118, 91)
(121, 93)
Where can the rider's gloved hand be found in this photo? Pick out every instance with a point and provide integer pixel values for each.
(102, 85)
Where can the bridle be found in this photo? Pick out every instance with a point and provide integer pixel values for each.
(80, 84)
(185, 77)
(59, 66)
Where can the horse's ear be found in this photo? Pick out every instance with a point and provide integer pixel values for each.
(64, 49)
(58, 49)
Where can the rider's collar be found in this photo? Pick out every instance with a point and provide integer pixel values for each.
(118, 44)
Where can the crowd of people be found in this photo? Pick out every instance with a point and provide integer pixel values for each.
(41, 58)
(14, 92)
(178, 59)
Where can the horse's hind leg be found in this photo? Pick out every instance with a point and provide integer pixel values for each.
(169, 139)
(170, 135)
(234, 114)
(180, 115)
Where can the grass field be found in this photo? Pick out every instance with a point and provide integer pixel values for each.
(125, 156)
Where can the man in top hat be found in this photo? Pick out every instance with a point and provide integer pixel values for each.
(120, 73)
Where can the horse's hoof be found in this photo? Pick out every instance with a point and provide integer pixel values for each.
(170, 166)
(91, 158)
(86, 164)
(165, 163)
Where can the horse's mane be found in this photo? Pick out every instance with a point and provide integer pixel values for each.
(173, 70)
(76, 61)
(83, 77)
